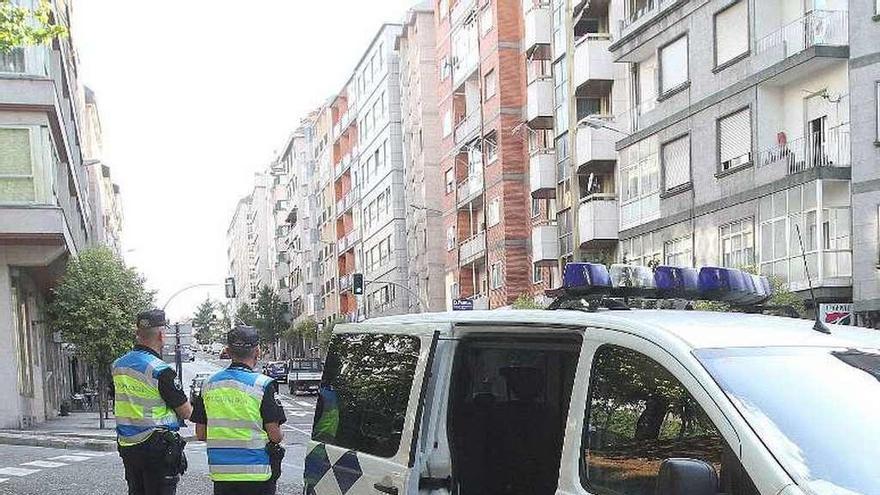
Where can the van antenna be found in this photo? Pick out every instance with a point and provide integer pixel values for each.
(819, 326)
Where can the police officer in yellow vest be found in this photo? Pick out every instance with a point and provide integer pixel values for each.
(240, 417)
(149, 408)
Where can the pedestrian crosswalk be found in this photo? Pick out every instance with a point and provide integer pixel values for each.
(35, 466)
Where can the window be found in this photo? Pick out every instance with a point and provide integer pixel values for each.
(493, 214)
(444, 68)
(23, 339)
(640, 183)
(495, 276)
(878, 100)
(450, 181)
(737, 243)
(644, 76)
(450, 238)
(16, 166)
(13, 61)
(491, 84)
(677, 163)
(639, 415)
(642, 250)
(560, 82)
(487, 20)
(536, 207)
(371, 396)
(447, 123)
(735, 140)
(491, 149)
(674, 65)
(537, 274)
(731, 32)
(678, 252)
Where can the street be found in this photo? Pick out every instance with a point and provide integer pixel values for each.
(41, 470)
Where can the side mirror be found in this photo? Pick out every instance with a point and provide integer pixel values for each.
(687, 477)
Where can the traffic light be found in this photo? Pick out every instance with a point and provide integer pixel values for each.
(357, 284)
(230, 288)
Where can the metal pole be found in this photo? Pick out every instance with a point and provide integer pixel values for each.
(178, 361)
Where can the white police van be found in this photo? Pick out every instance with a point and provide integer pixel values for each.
(597, 401)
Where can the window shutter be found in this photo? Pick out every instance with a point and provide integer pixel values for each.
(676, 162)
(732, 32)
(735, 136)
(674, 64)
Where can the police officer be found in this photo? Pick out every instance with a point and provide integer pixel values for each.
(236, 404)
(149, 407)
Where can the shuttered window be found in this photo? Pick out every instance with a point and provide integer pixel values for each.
(735, 139)
(673, 65)
(677, 162)
(16, 166)
(731, 32)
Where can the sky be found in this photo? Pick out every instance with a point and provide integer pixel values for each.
(195, 96)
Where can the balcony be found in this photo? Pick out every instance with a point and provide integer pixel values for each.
(598, 219)
(472, 249)
(818, 28)
(542, 173)
(641, 13)
(593, 64)
(545, 244)
(467, 128)
(539, 107)
(539, 28)
(32, 60)
(344, 283)
(342, 166)
(596, 145)
(460, 11)
(347, 202)
(830, 148)
(470, 189)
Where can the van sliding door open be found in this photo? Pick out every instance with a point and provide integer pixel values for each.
(369, 406)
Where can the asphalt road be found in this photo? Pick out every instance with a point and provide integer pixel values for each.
(40, 470)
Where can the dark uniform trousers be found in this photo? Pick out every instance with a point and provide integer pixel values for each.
(244, 488)
(146, 469)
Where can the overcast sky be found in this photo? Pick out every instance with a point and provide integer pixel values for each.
(197, 95)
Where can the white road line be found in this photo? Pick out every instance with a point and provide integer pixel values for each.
(69, 458)
(304, 404)
(304, 432)
(300, 414)
(92, 454)
(14, 471)
(4, 480)
(44, 464)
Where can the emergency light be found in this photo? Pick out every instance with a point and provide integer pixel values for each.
(665, 282)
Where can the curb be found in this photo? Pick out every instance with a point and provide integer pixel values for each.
(57, 442)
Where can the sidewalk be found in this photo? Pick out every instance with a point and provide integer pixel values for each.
(76, 431)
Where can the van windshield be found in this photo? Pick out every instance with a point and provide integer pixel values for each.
(816, 409)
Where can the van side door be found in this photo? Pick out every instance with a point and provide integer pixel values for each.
(369, 410)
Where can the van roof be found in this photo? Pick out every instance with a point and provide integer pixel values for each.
(694, 329)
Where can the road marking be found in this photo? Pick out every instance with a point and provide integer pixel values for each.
(14, 471)
(304, 404)
(298, 430)
(44, 464)
(300, 414)
(92, 454)
(69, 458)
(4, 480)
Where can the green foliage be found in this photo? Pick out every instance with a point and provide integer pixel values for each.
(525, 301)
(304, 330)
(205, 323)
(269, 316)
(245, 315)
(326, 334)
(96, 303)
(20, 26)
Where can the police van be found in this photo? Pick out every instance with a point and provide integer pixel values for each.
(589, 400)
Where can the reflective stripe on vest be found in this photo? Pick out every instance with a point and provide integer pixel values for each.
(236, 438)
(139, 408)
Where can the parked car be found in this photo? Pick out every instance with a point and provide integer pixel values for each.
(277, 370)
(305, 375)
(198, 381)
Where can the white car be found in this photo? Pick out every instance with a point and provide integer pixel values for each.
(644, 402)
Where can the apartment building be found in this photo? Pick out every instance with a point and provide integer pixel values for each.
(324, 189)
(420, 120)
(250, 241)
(368, 183)
(103, 192)
(45, 219)
(482, 102)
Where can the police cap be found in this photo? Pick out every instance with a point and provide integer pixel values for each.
(151, 319)
(243, 337)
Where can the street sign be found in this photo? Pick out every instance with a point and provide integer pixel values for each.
(836, 314)
(462, 305)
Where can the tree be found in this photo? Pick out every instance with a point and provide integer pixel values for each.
(525, 301)
(270, 317)
(94, 308)
(245, 315)
(205, 322)
(21, 26)
(299, 334)
(326, 334)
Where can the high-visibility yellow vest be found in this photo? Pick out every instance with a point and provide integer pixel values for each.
(139, 407)
(236, 438)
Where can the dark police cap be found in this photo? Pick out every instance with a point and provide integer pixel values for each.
(150, 319)
(243, 337)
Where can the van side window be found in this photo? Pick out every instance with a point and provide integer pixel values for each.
(638, 416)
(364, 394)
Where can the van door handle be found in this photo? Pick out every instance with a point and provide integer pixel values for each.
(390, 490)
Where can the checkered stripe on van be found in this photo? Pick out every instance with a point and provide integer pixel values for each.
(329, 473)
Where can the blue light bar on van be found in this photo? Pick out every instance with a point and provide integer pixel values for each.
(733, 286)
(586, 277)
(676, 282)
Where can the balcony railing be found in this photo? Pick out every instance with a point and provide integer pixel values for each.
(472, 249)
(461, 10)
(32, 60)
(467, 127)
(598, 218)
(592, 60)
(470, 188)
(820, 27)
(642, 13)
(830, 148)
